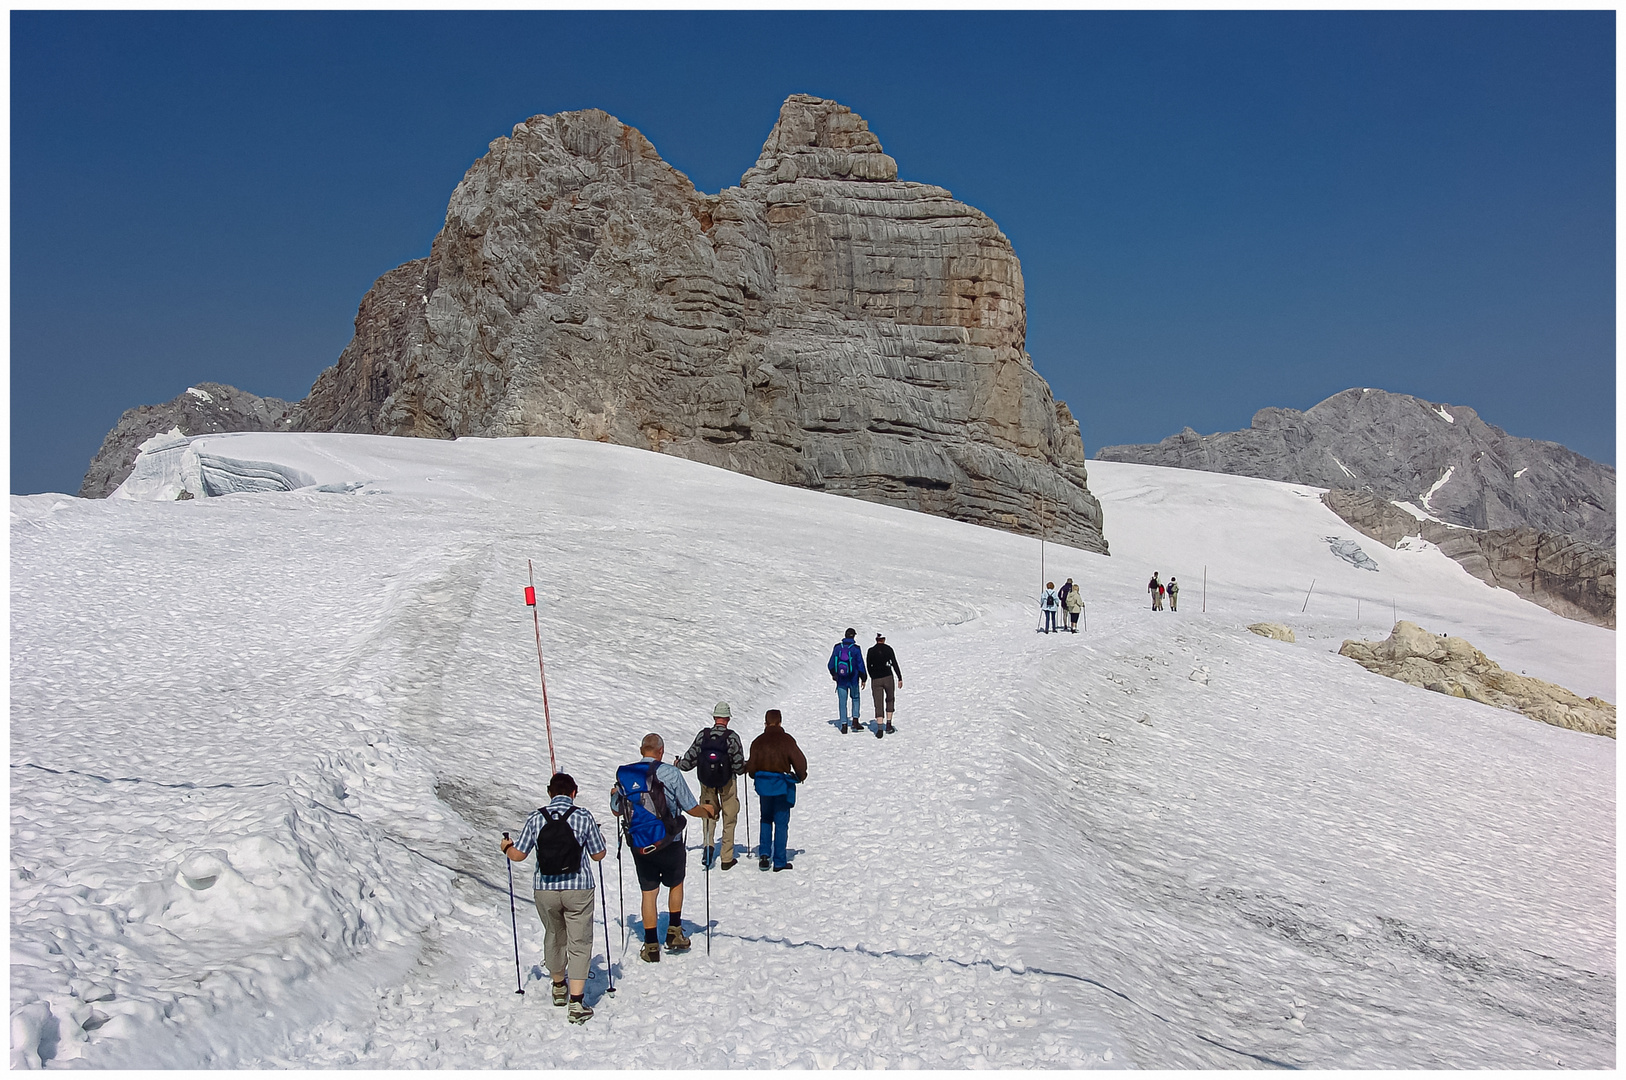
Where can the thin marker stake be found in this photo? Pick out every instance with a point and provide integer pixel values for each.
(536, 620)
(1306, 606)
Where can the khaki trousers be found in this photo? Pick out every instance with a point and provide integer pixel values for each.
(726, 798)
(567, 919)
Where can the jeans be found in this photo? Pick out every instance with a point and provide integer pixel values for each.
(1049, 620)
(842, 694)
(775, 827)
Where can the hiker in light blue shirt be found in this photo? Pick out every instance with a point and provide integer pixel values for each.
(667, 863)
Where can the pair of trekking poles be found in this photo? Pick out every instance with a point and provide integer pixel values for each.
(513, 917)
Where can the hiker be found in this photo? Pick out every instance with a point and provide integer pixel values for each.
(1074, 604)
(882, 664)
(1174, 593)
(717, 754)
(847, 669)
(1048, 604)
(1155, 587)
(655, 789)
(777, 766)
(565, 837)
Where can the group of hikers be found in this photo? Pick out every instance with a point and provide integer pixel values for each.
(1159, 590)
(650, 800)
(1069, 600)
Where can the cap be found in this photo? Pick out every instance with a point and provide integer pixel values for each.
(880, 637)
(721, 711)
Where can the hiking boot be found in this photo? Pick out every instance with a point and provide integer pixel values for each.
(651, 952)
(676, 939)
(764, 864)
(580, 1013)
(729, 865)
(844, 727)
(561, 994)
(787, 866)
(879, 731)
(890, 730)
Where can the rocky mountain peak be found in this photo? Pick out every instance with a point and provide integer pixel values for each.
(822, 324)
(815, 139)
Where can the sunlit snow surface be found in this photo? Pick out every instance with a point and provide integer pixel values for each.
(263, 746)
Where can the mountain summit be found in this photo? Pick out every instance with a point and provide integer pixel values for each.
(823, 325)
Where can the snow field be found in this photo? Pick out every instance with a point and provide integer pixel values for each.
(1299, 862)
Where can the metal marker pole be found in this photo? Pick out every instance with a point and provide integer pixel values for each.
(530, 599)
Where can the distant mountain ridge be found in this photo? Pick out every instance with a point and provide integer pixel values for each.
(1442, 459)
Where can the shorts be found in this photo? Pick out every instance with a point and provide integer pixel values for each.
(664, 867)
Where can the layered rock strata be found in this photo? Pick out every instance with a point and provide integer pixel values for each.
(1450, 665)
(1567, 576)
(1442, 458)
(823, 324)
(204, 409)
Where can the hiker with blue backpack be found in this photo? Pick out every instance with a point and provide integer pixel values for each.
(717, 757)
(567, 842)
(650, 797)
(777, 765)
(847, 669)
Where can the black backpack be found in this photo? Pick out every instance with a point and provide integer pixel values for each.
(715, 769)
(558, 852)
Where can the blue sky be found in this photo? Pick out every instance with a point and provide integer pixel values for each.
(1215, 212)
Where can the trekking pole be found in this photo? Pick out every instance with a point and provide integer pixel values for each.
(513, 917)
(604, 903)
(536, 620)
(708, 898)
(621, 893)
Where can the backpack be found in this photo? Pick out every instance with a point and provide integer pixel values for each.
(844, 660)
(715, 769)
(647, 815)
(558, 852)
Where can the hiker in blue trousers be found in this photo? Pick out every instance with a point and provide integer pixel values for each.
(777, 765)
(847, 669)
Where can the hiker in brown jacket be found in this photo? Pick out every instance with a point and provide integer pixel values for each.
(776, 765)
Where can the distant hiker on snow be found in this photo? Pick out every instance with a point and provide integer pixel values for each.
(1072, 602)
(777, 766)
(882, 664)
(1174, 594)
(1049, 604)
(565, 837)
(1155, 587)
(651, 797)
(847, 669)
(719, 757)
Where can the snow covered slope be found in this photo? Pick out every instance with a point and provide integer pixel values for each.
(263, 745)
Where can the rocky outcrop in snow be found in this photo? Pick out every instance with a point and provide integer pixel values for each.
(1567, 576)
(204, 409)
(1442, 458)
(1450, 665)
(823, 324)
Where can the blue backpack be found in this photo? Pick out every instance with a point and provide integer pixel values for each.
(647, 815)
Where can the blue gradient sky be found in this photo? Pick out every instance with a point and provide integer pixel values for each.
(1215, 212)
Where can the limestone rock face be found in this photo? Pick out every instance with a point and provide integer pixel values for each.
(1567, 576)
(203, 409)
(1452, 666)
(823, 324)
(1442, 458)
(1274, 631)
